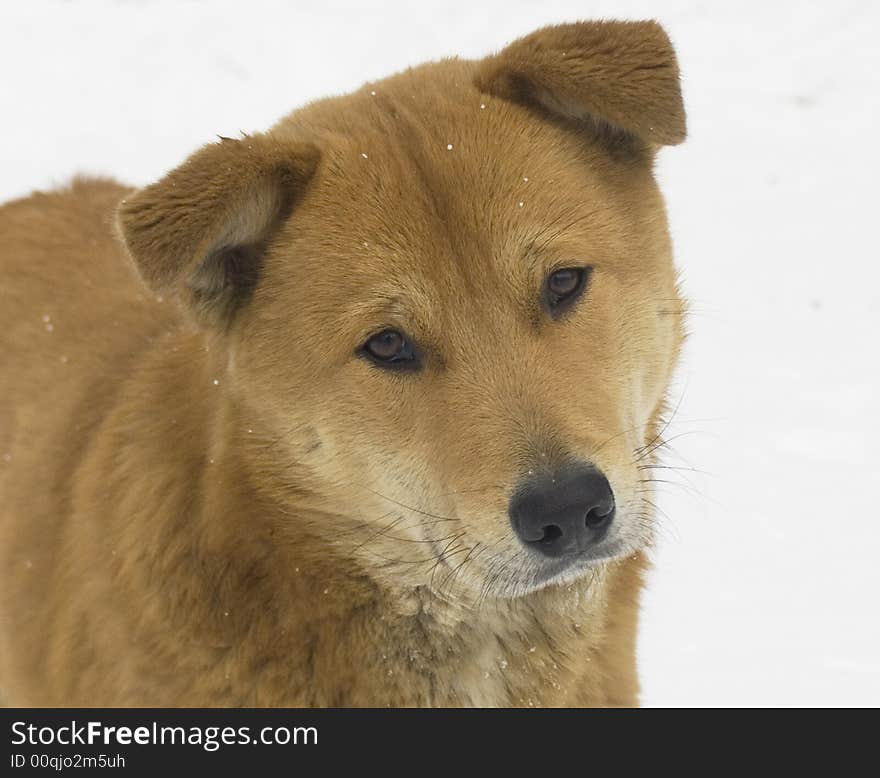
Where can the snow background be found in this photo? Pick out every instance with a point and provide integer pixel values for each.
(765, 585)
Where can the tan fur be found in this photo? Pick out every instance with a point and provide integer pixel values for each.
(208, 498)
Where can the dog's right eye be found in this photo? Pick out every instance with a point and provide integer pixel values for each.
(392, 350)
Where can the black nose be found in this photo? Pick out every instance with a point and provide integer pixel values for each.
(565, 512)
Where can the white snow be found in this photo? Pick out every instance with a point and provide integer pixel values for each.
(766, 581)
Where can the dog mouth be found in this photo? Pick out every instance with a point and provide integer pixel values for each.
(571, 567)
(526, 572)
(510, 571)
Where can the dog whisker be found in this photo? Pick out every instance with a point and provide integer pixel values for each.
(408, 507)
(452, 548)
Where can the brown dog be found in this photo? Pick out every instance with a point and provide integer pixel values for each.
(355, 411)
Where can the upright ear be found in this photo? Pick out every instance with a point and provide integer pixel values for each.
(619, 78)
(203, 229)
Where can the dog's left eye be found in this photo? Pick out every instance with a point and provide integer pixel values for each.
(564, 286)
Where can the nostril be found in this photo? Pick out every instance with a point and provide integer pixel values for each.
(597, 517)
(551, 534)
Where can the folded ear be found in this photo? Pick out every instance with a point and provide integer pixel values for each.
(617, 77)
(203, 229)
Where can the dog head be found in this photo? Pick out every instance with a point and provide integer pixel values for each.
(444, 301)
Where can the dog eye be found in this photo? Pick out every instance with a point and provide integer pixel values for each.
(390, 349)
(564, 286)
